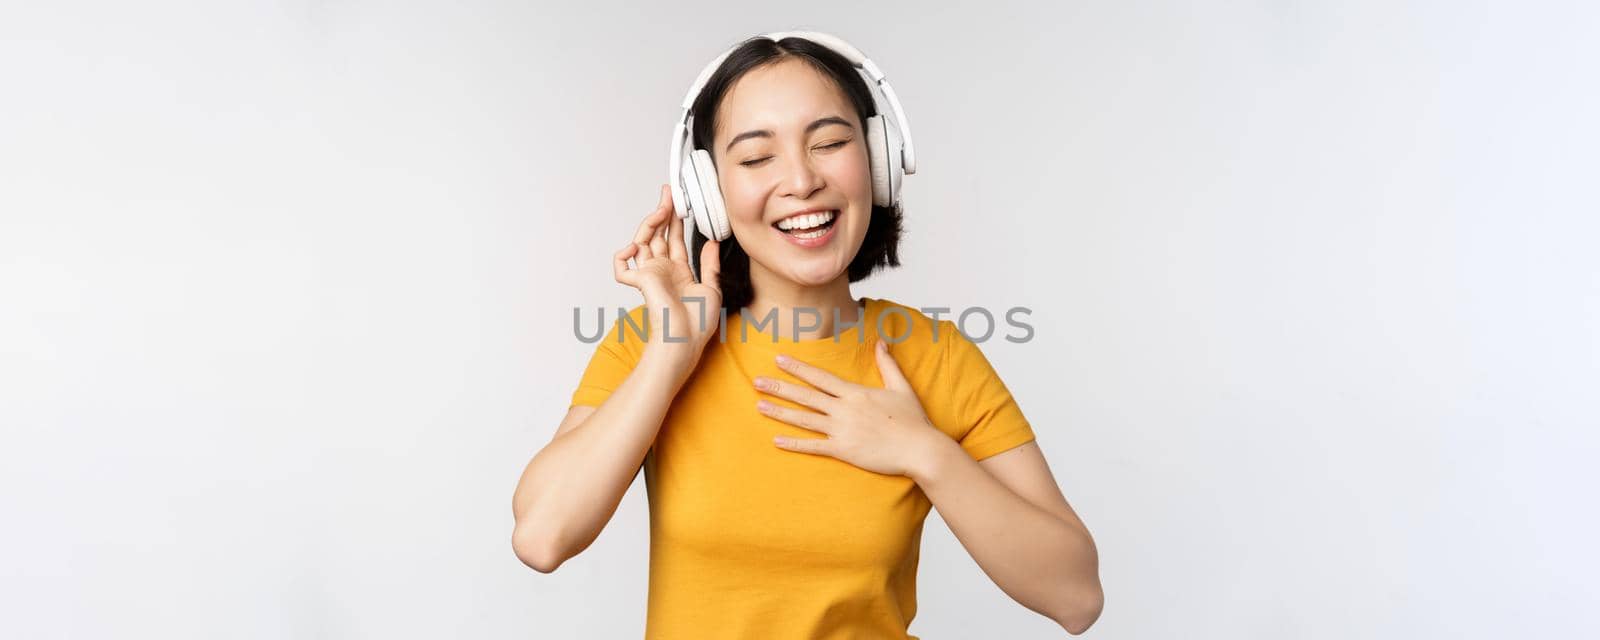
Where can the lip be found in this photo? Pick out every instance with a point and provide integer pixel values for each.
(812, 243)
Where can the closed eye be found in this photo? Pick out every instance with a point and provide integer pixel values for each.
(757, 161)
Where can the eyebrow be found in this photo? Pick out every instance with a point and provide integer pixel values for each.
(767, 133)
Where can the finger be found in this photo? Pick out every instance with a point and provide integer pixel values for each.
(890, 370)
(619, 263)
(666, 201)
(817, 377)
(810, 420)
(644, 251)
(711, 264)
(677, 251)
(658, 241)
(797, 393)
(815, 446)
(648, 226)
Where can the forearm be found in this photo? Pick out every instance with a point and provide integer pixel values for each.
(1043, 562)
(573, 485)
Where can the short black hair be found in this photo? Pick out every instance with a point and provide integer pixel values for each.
(881, 246)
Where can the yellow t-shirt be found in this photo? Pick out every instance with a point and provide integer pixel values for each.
(748, 540)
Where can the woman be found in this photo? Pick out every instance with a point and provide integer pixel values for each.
(789, 479)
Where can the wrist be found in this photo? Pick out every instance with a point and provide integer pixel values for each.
(936, 454)
(672, 361)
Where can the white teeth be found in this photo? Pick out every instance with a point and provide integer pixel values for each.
(806, 221)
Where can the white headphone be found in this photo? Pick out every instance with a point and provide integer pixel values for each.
(693, 177)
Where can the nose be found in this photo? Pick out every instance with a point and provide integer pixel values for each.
(802, 179)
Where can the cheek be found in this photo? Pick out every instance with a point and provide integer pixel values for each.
(852, 175)
(743, 196)
(847, 173)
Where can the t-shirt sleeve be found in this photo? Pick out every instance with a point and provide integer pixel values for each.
(612, 361)
(990, 420)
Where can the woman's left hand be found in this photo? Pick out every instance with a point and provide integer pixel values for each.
(883, 430)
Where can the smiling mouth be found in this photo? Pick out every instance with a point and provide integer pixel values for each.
(811, 225)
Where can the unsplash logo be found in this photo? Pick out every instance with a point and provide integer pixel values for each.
(969, 318)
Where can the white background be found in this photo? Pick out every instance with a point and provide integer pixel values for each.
(286, 292)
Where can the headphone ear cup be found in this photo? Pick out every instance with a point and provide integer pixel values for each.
(878, 157)
(701, 200)
(712, 217)
(896, 161)
(690, 179)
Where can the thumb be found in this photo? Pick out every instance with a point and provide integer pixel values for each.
(890, 370)
(711, 264)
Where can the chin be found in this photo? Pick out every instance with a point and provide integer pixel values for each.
(816, 278)
(821, 270)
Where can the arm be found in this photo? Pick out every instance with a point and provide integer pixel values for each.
(1006, 510)
(571, 488)
(1009, 514)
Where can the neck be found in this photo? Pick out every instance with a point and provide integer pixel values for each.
(818, 304)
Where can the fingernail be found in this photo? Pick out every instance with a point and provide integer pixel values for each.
(783, 359)
(763, 405)
(761, 383)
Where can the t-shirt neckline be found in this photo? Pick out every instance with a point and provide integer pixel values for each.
(848, 342)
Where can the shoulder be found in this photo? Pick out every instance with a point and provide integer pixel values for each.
(914, 328)
(927, 339)
(918, 338)
(627, 332)
(958, 388)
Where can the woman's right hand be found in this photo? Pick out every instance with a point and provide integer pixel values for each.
(663, 275)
